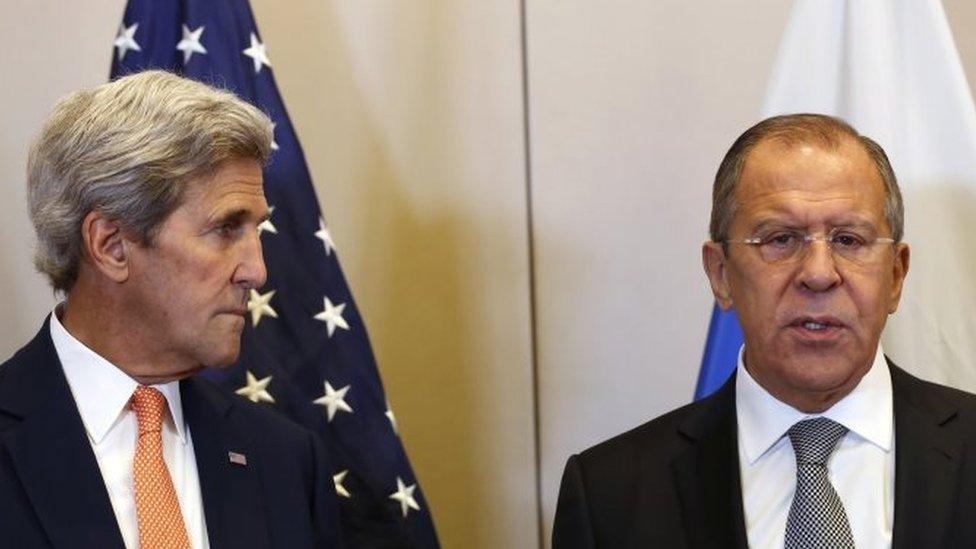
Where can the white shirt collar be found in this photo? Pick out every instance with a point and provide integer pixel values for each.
(867, 411)
(100, 389)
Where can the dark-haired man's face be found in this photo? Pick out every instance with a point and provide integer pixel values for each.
(811, 324)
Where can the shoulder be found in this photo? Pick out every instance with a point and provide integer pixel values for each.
(213, 411)
(656, 434)
(294, 483)
(606, 488)
(32, 377)
(40, 349)
(660, 440)
(916, 394)
(260, 420)
(289, 454)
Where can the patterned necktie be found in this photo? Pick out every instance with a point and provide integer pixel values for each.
(817, 519)
(160, 520)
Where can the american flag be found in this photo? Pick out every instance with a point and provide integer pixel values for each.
(305, 351)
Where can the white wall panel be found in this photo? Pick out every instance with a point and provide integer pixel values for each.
(632, 106)
(51, 49)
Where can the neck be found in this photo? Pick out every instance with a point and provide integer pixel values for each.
(94, 319)
(807, 400)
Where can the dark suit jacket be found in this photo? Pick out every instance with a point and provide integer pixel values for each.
(52, 493)
(674, 481)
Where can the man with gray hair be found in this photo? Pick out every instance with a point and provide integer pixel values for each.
(146, 194)
(817, 440)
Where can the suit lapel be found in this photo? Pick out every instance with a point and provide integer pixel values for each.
(707, 475)
(232, 499)
(927, 464)
(50, 451)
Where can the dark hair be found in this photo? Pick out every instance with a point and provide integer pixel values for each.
(790, 130)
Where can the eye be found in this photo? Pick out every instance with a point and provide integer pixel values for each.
(229, 229)
(847, 241)
(780, 240)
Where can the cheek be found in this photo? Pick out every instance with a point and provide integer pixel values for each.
(193, 286)
(872, 297)
(757, 294)
(198, 265)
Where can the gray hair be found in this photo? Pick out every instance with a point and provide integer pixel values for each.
(126, 149)
(793, 129)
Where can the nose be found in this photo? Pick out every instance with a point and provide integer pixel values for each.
(818, 269)
(251, 271)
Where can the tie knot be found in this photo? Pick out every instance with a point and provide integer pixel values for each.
(149, 405)
(814, 439)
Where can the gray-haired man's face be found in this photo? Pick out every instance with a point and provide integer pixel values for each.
(187, 291)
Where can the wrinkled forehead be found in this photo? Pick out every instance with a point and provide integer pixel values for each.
(234, 184)
(810, 183)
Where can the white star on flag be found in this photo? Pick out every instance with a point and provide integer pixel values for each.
(332, 316)
(325, 236)
(256, 389)
(126, 41)
(334, 400)
(339, 488)
(258, 52)
(404, 495)
(266, 225)
(389, 415)
(260, 305)
(190, 43)
(274, 144)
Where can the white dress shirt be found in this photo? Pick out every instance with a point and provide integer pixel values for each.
(102, 392)
(861, 468)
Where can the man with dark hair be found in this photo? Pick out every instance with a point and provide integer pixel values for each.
(817, 440)
(146, 194)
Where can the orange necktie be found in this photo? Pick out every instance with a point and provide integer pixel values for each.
(160, 520)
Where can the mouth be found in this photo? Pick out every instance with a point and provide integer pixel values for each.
(816, 328)
(239, 316)
(235, 311)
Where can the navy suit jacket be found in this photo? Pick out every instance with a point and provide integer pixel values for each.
(674, 481)
(52, 493)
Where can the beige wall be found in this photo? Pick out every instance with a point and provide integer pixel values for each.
(411, 115)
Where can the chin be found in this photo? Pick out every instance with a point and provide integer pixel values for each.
(222, 349)
(824, 374)
(221, 353)
(224, 360)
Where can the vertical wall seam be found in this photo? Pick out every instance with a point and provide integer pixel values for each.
(533, 325)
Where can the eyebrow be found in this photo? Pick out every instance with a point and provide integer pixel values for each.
(239, 215)
(855, 221)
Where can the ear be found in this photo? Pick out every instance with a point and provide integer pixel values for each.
(899, 269)
(716, 268)
(105, 246)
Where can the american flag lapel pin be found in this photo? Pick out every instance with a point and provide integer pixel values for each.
(237, 458)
